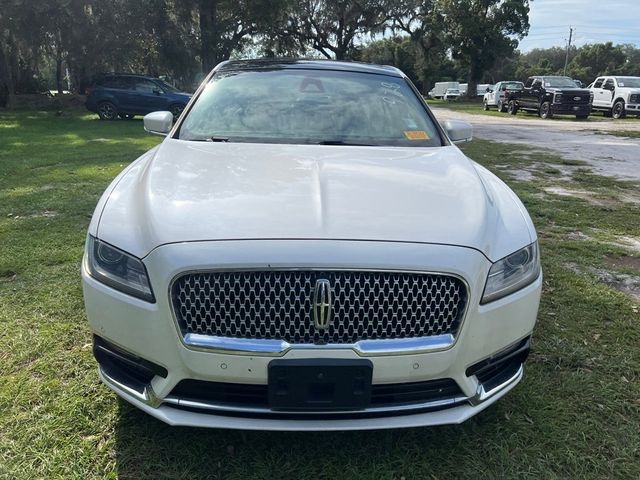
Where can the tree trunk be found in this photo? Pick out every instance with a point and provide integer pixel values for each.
(59, 69)
(6, 74)
(207, 14)
(472, 88)
(59, 83)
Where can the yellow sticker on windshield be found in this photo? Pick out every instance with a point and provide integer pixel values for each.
(416, 135)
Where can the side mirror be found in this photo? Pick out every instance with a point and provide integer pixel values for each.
(158, 123)
(503, 88)
(157, 91)
(488, 90)
(458, 131)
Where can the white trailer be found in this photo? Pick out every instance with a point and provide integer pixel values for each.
(440, 88)
(482, 89)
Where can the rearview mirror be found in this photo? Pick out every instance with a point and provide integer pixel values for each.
(458, 131)
(158, 123)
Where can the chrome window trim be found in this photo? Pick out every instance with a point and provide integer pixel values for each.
(278, 348)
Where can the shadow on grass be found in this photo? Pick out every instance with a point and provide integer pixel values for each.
(148, 448)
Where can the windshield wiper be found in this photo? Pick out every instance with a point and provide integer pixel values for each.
(208, 139)
(342, 142)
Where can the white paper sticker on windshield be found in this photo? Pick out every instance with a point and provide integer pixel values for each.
(547, 84)
(620, 84)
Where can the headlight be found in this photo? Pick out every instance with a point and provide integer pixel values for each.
(512, 273)
(557, 98)
(118, 269)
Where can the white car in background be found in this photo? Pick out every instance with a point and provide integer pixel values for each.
(495, 97)
(307, 249)
(616, 96)
(452, 94)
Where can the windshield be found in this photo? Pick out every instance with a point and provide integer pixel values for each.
(312, 107)
(514, 85)
(559, 82)
(632, 82)
(165, 86)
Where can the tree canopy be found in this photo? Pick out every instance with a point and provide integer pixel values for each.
(62, 44)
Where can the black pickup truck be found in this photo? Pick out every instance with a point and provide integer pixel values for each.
(546, 96)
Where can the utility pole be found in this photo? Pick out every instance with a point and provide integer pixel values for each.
(566, 58)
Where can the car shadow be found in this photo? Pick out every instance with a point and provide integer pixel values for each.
(148, 448)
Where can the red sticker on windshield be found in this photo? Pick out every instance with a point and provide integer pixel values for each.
(416, 135)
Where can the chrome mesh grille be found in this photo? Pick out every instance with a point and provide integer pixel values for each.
(278, 305)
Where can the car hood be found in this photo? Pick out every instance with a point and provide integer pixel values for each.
(198, 191)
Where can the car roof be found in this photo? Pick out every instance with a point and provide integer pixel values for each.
(307, 64)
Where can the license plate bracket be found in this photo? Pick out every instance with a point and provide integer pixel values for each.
(319, 384)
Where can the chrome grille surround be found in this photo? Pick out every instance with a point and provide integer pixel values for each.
(271, 311)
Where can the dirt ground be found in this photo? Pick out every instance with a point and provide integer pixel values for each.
(588, 141)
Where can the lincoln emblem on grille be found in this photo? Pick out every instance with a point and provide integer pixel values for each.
(322, 304)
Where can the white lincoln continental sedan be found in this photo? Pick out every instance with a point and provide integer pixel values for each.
(307, 249)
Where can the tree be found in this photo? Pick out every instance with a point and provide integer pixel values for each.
(597, 59)
(22, 28)
(480, 32)
(422, 21)
(397, 51)
(228, 25)
(631, 65)
(331, 27)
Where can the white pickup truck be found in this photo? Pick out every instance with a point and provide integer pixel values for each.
(495, 95)
(616, 96)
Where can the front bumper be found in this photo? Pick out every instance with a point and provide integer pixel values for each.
(149, 331)
(633, 108)
(571, 109)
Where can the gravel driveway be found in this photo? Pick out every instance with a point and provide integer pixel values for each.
(575, 140)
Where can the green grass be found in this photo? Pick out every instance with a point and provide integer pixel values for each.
(576, 415)
(622, 133)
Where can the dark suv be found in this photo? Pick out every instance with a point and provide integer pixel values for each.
(547, 95)
(125, 95)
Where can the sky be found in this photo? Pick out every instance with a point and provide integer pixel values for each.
(594, 21)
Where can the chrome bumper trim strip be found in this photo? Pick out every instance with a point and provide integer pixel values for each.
(148, 396)
(482, 394)
(277, 348)
(480, 397)
(449, 402)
